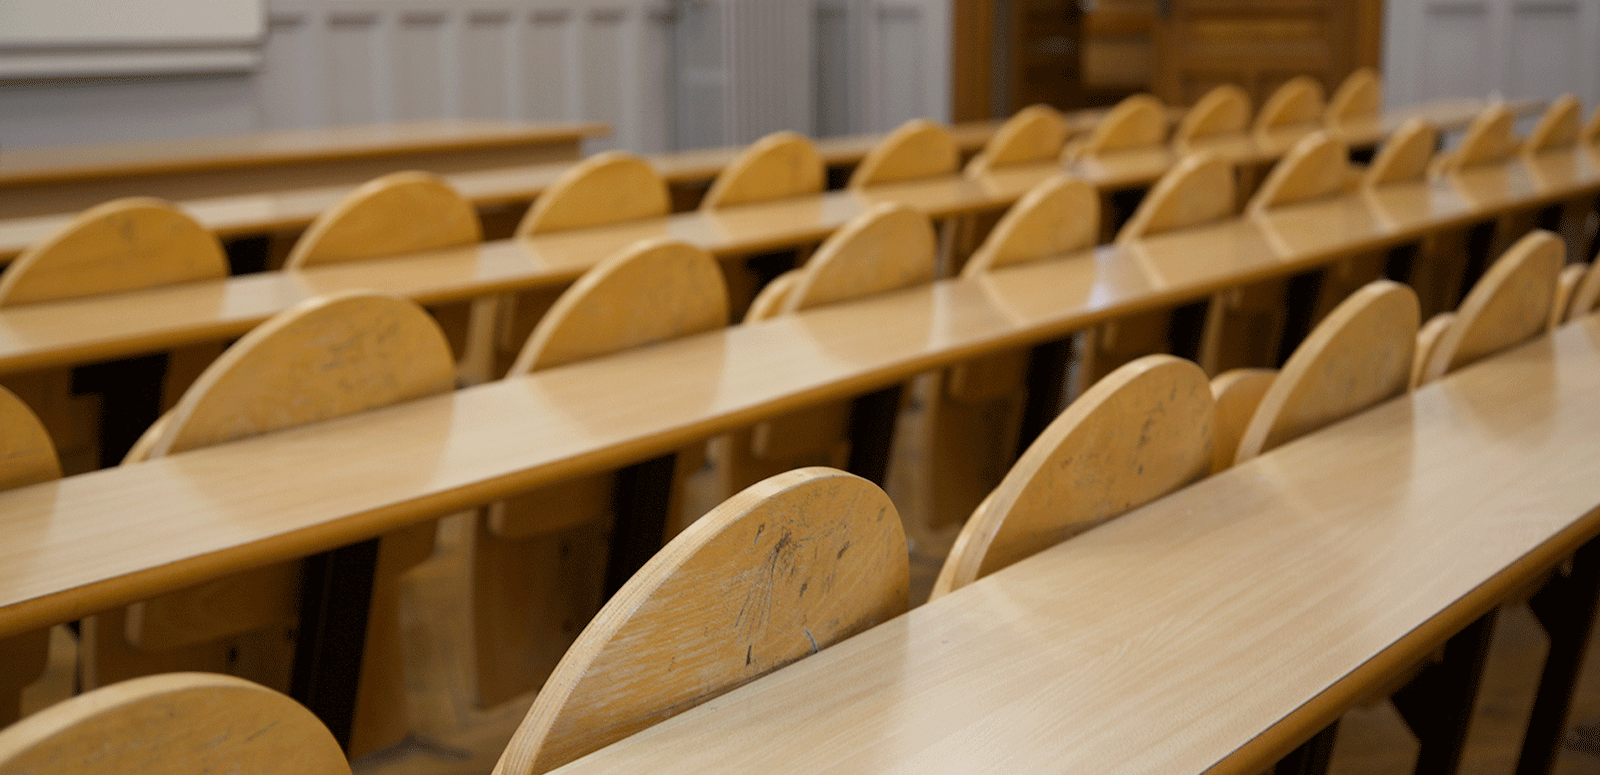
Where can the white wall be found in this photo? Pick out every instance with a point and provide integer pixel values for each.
(880, 63)
(329, 62)
(1514, 48)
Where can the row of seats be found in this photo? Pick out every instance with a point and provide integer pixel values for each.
(831, 528)
(414, 212)
(889, 248)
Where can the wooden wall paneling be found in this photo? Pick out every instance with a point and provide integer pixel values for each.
(1369, 34)
(971, 60)
(1204, 43)
(1119, 55)
(1045, 52)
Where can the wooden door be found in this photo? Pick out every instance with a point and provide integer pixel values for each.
(1045, 41)
(1259, 44)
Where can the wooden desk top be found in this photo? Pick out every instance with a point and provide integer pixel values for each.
(90, 542)
(34, 165)
(106, 327)
(243, 214)
(1212, 630)
(1141, 167)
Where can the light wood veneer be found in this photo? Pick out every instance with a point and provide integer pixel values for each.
(112, 537)
(284, 208)
(40, 181)
(1210, 631)
(1264, 245)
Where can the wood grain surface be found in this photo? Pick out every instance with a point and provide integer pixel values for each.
(173, 723)
(196, 515)
(777, 573)
(41, 181)
(1263, 602)
(285, 206)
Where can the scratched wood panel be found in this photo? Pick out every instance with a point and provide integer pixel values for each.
(784, 569)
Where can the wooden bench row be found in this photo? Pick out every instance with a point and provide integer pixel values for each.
(285, 209)
(1368, 338)
(42, 181)
(109, 327)
(408, 214)
(1008, 308)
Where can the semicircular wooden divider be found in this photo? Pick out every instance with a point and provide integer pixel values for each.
(404, 212)
(176, 723)
(1197, 190)
(1559, 127)
(1509, 305)
(779, 165)
(1237, 393)
(1225, 110)
(1056, 216)
(1138, 121)
(122, 245)
(609, 187)
(1140, 433)
(117, 247)
(918, 148)
(324, 358)
(1317, 166)
(1035, 133)
(787, 567)
(1586, 296)
(1405, 155)
(653, 291)
(1359, 356)
(26, 457)
(889, 247)
(1298, 101)
(1489, 138)
(539, 556)
(1359, 96)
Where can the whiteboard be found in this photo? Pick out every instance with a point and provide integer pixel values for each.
(117, 23)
